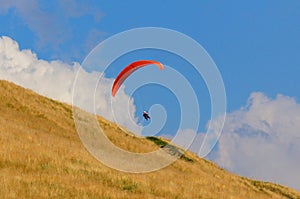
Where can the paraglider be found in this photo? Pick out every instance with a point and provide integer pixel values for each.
(128, 70)
(146, 115)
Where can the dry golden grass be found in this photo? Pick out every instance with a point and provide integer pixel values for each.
(41, 156)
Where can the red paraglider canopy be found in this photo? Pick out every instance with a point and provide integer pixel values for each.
(130, 69)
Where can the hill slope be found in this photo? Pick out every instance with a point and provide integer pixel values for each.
(41, 156)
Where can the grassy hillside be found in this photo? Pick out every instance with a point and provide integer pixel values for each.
(41, 156)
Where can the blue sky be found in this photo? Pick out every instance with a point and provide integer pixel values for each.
(255, 45)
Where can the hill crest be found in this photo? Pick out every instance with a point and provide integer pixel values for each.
(41, 156)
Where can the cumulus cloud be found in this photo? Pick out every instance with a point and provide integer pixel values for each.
(262, 140)
(55, 80)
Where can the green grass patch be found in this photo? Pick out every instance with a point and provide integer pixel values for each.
(273, 188)
(157, 141)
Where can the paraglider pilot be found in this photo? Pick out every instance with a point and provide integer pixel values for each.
(146, 115)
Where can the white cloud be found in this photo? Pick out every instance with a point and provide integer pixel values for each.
(78, 8)
(55, 80)
(44, 24)
(184, 138)
(93, 37)
(53, 27)
(262, 140)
